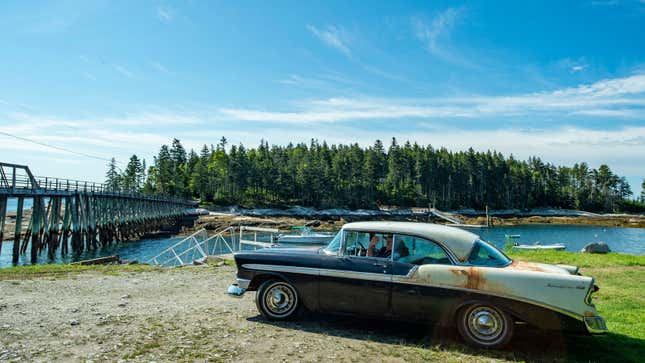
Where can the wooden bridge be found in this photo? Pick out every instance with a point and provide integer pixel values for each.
(74, 216)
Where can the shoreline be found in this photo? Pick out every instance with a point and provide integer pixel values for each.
(285, 219)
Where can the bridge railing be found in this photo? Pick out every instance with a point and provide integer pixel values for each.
(14, 177)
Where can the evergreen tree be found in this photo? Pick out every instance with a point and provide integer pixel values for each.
(112, 177)
(131, 177)
(321, 175)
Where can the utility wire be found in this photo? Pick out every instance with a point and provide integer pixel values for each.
(56, 147)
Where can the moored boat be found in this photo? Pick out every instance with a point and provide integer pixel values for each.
(305, 236)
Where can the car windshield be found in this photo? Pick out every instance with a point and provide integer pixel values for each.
(334, 246)
(485, 254)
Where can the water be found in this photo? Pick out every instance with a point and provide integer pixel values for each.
(625, 240)
(574, 237)
(12, 204)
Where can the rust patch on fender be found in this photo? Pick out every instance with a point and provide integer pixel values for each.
(589, 313)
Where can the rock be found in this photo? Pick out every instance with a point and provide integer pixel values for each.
(314, 223)
(126, 296)
(73, 322)
(123, 304)
(596, 247)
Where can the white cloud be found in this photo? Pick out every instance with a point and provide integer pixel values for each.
(435, 35)
(165, 14)
(159, 67)
(335, 37)
(619, 97)
(123, 71)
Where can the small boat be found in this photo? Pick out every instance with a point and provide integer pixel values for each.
(305, 236)
(511, 239)
(538, 246)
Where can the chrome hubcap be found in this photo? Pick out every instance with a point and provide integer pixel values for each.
(485, 323)
(279, 299)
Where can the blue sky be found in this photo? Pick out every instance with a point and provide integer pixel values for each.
(562, 80)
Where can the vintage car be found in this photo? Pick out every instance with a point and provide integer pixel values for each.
(420, 272)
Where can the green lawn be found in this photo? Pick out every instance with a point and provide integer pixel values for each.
(621, 301)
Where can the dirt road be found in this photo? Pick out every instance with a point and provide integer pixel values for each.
(184, 315)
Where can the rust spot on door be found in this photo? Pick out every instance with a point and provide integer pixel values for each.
(476, 279)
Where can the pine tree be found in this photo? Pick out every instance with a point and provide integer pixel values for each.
(131, 177)
(112, 178)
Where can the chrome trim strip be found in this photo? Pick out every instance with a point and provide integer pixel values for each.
(402, 279)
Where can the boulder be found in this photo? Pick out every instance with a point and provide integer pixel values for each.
(596, 247)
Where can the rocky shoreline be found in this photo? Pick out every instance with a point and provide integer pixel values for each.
(333, 219)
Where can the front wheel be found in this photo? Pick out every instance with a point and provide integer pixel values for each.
(485, 326)
(277, 300)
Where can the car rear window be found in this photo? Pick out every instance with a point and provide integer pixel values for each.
(485, 254)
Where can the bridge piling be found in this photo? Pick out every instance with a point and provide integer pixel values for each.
(3, 217)
(16, 232)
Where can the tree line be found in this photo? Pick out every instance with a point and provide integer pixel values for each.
(350, 176)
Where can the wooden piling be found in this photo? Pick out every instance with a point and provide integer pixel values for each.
(3, 216)
(17, 230)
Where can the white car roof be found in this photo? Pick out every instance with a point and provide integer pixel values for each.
(458, 241)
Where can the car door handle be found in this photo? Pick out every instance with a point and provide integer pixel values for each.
(380, 264)
(412, 292)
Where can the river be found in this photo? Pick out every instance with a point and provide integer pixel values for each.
(574, 237)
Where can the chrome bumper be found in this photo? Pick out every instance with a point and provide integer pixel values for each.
(239, 288)
(595, 324)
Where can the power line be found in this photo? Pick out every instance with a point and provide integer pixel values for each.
(56, 147)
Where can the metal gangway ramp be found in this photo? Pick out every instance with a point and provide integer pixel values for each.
(198, 246)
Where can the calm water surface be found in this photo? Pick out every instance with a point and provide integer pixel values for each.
(625, 240)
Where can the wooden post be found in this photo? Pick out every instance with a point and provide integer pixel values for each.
(3, 216)
(35, 228)
(17, 230)
(488, 221)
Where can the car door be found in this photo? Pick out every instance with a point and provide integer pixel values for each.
(355, 282)
(410, 299)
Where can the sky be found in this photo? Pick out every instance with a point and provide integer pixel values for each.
(563, 80)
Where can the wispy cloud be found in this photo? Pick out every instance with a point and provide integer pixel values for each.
(159, 67)
(123, 71)
(435, 35)
(165, 14)
(333, 36)
(619, 97)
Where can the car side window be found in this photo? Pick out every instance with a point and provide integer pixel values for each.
(368, 244)
(418, 251)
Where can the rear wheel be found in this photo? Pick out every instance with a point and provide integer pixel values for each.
(485, 326)
(277, 300)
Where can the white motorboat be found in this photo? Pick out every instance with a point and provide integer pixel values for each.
(511, 239)
(306, 236)
(538, 246)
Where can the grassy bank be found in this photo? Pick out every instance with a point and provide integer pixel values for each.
(33, 271)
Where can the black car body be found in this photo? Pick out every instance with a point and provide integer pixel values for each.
(419, 272)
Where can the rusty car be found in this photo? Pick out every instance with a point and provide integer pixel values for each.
(424, 273)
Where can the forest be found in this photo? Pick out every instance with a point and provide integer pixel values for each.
(350, 176)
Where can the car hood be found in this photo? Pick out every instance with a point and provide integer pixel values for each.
(543, 267)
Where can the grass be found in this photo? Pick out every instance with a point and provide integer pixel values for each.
(578, 259)
(22, 272)
(621, 301)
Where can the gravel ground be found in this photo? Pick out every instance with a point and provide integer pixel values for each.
(184, 315)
